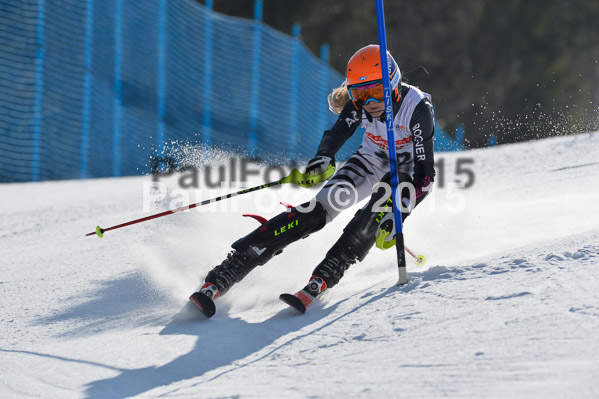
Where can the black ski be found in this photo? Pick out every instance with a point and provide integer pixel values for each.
(293, 301)
(302, 299)
(204, 303)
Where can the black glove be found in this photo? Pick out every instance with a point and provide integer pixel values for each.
(320, 163)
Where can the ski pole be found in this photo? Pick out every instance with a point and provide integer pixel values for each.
(399, 245)
(420, 260)
(295, 177)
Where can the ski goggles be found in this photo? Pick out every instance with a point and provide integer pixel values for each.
(367, 92)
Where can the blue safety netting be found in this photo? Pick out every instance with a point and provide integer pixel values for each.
(94, 88)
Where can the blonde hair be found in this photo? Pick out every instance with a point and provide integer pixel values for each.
(338, 98)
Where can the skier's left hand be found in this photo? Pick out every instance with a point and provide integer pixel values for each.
(385, 235)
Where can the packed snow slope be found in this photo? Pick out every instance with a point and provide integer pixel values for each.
(506, 306)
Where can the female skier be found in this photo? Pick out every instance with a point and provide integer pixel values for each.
(359, 100)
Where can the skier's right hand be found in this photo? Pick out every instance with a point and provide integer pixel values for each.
(320, 164)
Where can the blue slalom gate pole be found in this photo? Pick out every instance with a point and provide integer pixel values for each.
(399, 243)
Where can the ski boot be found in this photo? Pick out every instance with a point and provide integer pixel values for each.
(221, 278)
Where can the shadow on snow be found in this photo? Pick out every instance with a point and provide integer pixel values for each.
(223, 342)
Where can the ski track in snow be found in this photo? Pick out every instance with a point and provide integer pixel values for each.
(507, 305)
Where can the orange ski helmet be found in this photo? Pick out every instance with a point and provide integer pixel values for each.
(364, 66)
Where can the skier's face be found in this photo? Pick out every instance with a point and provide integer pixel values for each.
(375, 109)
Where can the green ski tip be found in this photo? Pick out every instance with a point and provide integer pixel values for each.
(99, 231)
